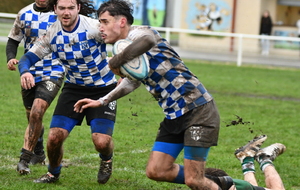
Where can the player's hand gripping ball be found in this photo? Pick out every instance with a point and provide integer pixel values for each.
(136, 69)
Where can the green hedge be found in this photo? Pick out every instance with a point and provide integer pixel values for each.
(13, 6)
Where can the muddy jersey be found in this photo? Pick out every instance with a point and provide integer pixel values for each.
(82, 52)
(28, 26)
(173, 85)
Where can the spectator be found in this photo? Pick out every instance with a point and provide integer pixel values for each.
(298, 26)
(265, 30)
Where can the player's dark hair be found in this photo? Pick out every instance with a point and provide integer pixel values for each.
(86, 6)
(215, 172)
(117, 8)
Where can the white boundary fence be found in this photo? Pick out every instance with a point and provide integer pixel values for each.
(8, 15)
(240, 37)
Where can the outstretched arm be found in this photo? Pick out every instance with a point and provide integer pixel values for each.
(125, 87)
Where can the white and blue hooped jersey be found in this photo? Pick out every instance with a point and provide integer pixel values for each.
(172, 84)
(82, 51)
(29, 26)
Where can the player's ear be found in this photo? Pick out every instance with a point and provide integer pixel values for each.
(123, 21)
(55, 8)
(79, 6)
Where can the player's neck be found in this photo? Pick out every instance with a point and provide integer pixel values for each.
(39, 9)
(125, 32)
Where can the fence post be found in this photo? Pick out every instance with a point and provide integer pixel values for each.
(168, 34)
(240, 50)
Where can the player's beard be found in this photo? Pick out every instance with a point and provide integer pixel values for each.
(42, 3)
(70, 23)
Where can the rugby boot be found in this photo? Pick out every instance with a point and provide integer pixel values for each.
(270, 152)
(47, 178)
(250, 149)
(105, 171)
(25, 158)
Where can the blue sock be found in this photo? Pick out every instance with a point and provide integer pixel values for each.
(105, 158)
(54, 171)
(180, 176)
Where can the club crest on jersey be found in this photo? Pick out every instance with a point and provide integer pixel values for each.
(196, 132)
(27, 24)
(50, 85)
(60, 48)
(84, 45)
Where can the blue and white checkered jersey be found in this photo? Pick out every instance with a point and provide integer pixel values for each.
(82, 51)
(173, 85)
(28, 26)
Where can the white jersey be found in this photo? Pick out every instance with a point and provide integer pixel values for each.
(29, 26)
(82, 52)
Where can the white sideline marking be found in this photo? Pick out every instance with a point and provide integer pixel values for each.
(68, 162)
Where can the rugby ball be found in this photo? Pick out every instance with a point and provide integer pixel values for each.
(136, 69)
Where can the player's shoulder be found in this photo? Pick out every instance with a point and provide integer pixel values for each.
(54, 30)
(139, 31)
(140, 28)
(90, 26)
(26, 9)
(89, 21)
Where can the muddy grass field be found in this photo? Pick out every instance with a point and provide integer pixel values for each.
(251, 101)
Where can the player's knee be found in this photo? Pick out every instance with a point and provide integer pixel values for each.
(154, 173)
(193, 182)
(57, 136)
(190, 182)
(36, 115)
(102, 141)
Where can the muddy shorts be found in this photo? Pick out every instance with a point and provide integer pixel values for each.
(71, 93)
(45, 90)
(199, 127)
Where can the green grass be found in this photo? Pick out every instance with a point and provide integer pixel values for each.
(268, 98)
(5, 28)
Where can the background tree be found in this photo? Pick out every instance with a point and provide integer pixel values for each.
(13, 6)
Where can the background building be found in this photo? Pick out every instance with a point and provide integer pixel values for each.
(238, 16)
(229, 16)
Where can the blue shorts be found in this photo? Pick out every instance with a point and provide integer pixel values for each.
(190, 152)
